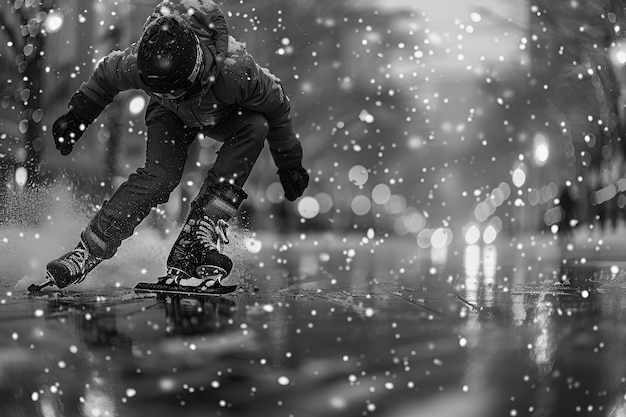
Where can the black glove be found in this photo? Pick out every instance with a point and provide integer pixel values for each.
(66, 131)
(294, 181)
(68, 128)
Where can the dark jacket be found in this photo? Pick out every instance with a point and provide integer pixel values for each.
(231, 78)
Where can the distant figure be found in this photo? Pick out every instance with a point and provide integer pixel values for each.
(569, 204)
(200, 80)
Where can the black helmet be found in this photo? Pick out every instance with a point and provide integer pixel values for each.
(169, 57)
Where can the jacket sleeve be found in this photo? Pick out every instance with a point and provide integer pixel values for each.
(116, 72)
(258, 90)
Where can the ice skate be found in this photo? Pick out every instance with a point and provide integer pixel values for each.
(197, 257)
(197, 263)
(72, 267)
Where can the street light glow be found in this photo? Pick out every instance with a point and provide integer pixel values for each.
(308, 207)
(542, 150)
(53, 22)
(476, 17)
(137, 104)
(472, 235)
(490, 234)
(541, 154)
(519, 177)
(21, 176)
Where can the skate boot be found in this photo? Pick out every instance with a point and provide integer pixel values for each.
(72, 267)
(198, 254)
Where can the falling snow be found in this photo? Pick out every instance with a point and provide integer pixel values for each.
(459, 249)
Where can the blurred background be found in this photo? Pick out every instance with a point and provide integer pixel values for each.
(438, 121)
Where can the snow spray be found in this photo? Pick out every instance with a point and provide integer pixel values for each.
(41, 223)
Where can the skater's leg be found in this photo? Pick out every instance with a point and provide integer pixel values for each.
(166, 153)
(198, 249)
(243, 133)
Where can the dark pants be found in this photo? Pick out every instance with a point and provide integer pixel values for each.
(243, 134)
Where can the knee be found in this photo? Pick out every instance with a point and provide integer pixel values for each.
(158, 179)
(168, 183)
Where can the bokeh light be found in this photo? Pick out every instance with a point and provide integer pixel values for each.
(137, 104)
(361, 205)
(325, 201)
(381, 194)
(542, 150)
(519, 177)
(396, 204)
(308, 207)
(423, 238)
(53, 22)
(274, 193)
(441, 238)
(472, 235)
(490, 234)
(21, 176)
(358, 175)
(253, 245)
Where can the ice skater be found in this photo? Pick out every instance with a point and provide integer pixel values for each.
(200, 81)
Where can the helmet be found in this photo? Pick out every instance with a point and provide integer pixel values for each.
(169, 57)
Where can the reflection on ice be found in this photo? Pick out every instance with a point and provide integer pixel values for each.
(472, 262)
(439, 255)
(490, 263)
(315, 332)
(452, 179)
(98, 399)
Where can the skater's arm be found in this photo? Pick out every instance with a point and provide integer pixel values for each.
(258, 90)
(117, 72)
(268, 97)
(265, 94)
(254, 88)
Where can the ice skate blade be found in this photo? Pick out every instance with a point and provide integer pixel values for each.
(157, 288)
(32, 288)
(49, 282)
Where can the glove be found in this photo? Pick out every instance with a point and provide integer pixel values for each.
(68, 128)
(66, 131)
(294, 181)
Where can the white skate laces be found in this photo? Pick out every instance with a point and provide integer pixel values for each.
(212, 234)
(79, 262)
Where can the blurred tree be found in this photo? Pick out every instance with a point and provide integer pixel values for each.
(577, 83)
(22, 26)
(571, 90)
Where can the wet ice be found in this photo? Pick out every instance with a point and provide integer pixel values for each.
(419, 188)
